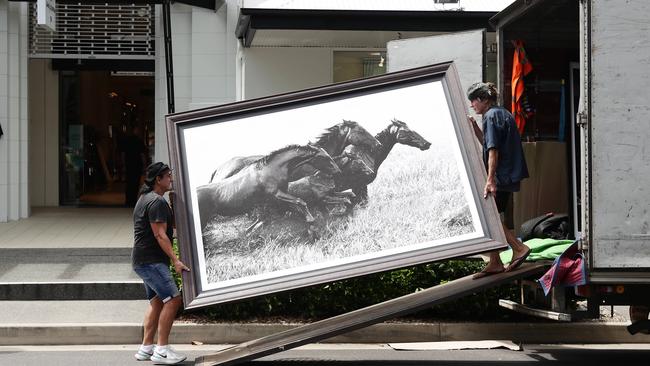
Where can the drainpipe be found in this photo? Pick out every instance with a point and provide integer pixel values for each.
(169, 64)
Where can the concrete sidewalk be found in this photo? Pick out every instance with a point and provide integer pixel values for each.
(70, 227)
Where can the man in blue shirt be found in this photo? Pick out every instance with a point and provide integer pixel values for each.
(504, 160)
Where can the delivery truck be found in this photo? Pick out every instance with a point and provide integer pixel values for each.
(588, 89)
(585, 136)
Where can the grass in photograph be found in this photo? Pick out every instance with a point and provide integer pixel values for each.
(417, 197)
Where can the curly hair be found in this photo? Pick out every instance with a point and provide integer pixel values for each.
(483, 91)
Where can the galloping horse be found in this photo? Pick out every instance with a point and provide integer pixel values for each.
(333, 141)
(397, 132)
(355, 169)
(266, 179)
(321, 188)
(232, 166)
(337, 137)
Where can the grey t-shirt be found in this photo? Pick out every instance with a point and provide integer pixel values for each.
(151, 207)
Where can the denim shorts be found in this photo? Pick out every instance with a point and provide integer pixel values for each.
(158, 281)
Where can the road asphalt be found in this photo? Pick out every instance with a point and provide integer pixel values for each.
(347, 354)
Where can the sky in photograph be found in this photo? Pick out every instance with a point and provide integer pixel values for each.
(423, 107)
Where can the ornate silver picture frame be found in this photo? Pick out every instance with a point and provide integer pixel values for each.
(328, 183)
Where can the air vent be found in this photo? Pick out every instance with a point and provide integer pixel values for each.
(95, 31)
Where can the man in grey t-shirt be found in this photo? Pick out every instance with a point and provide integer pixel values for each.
(152, 252)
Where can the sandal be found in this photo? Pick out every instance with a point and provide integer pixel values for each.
(515, 263)
(485, 273)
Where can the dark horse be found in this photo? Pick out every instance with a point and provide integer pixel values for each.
(397, 132)
(337, 137)
(333, 141)
(266, 179)
(319, 188)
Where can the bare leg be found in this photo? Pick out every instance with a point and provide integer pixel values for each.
(518, 248)
(151, 317)
(167, 316)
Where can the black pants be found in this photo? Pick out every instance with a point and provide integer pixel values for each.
(502, 199)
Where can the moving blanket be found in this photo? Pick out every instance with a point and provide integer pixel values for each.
(567, 270)
(541, 249)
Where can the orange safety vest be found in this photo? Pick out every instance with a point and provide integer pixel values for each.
(520, 68)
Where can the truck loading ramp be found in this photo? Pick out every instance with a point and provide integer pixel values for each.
(364, 317)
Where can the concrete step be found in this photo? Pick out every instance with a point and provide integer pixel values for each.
(58, 312)
(68, 274)
(71, 322)
(120, 322)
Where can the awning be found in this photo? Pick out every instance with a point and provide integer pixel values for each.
(255, 20)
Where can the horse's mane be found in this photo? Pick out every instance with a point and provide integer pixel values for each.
(397, 122)
(332, 132)
(385, 133)
(264, 160)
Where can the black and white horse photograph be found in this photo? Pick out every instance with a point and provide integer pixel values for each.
(334, 182)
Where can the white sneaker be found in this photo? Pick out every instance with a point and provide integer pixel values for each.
(143, 355)
(170, 357)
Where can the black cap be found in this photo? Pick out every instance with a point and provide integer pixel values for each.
(154, 170)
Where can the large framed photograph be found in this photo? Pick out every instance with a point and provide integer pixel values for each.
(328, 183)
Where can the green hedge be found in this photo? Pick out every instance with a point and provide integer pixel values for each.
(323, 301)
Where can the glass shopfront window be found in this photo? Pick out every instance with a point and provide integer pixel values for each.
(349, 65)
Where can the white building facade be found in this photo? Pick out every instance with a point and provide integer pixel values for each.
(64, 113)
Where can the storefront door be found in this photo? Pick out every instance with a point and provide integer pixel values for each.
(106, 136)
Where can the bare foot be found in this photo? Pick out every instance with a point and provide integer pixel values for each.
(490, 269)
(493, 267)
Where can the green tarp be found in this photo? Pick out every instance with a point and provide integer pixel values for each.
(541, 249)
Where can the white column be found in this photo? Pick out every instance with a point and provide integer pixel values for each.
(181, 20)
(204, 48)
(4, 111)
(160, 110)
(23, 140)
(211, 58)
(14, 200)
